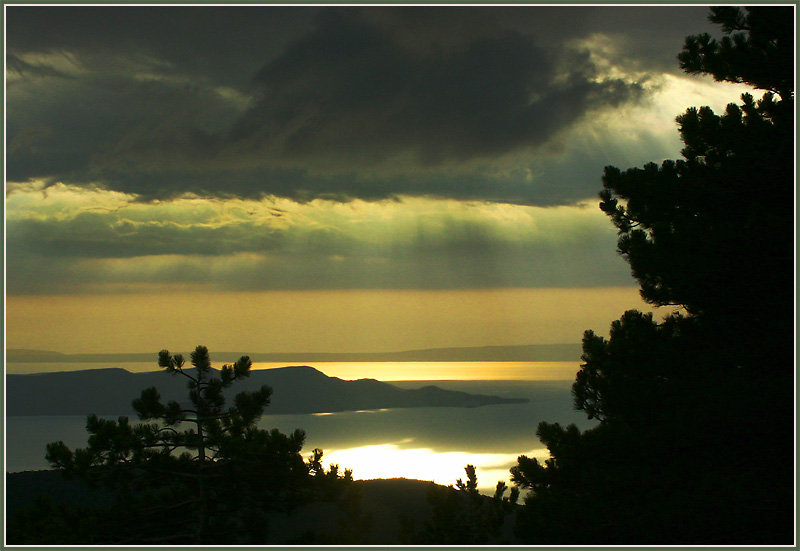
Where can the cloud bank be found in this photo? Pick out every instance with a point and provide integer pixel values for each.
(330, 103)
(262, 148)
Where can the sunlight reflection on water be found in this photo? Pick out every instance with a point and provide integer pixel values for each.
(423, 443)
(395, 460)
(437, 443)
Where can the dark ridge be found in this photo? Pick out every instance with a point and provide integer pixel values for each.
(296, 389)
(521, 353)
(386, 500)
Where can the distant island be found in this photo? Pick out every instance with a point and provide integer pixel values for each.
(522, 353)
(297, 389)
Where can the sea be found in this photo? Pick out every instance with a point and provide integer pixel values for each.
(418, 443)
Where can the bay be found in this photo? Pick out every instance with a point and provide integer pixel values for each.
(423, 443)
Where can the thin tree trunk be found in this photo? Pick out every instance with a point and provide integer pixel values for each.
(202, 525)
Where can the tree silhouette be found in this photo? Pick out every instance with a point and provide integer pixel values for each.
(460, 515)
(209, 470)
(712, 235)
(758, 49)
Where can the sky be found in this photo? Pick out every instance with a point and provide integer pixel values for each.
(343, 179)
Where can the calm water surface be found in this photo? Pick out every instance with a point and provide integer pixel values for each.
(423, 443)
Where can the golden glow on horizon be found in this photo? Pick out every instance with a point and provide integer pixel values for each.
(312, 321)
(350, 371)
(441, 371)
(306, 321)
(397, 460)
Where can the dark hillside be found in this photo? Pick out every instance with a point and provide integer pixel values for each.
(519, 353)
(299, 389)
(382, 500)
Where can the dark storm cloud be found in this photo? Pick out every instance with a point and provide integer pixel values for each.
(337, 103)
(66, 128)
(302, 185)
(224, 45)
(348, 90)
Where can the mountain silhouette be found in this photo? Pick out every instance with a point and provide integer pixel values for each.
(570, 352)
(296, 389)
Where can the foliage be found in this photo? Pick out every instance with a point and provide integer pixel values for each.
(211, 464)
(758, 48)
(460, 515)
(710, 234)
(47, 522)
(352, 523)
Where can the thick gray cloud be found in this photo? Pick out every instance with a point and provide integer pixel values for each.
(221, 45)
(348, 89)
(337, 103)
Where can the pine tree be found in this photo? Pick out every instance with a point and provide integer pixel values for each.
(710, 234)
(460, 515)
(196, 472)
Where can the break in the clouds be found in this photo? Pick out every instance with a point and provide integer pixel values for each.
(471, 103)
(66, 240)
